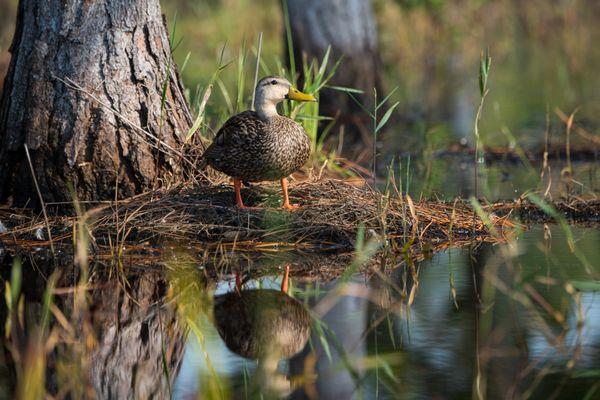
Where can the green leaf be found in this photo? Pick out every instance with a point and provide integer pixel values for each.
(586, 286)
(194, 127)
(332, 72)
(15, 282)
(185, 62)
(195, 328)
(323, 339)
(47, 304)
(345, 89)
(480, 80)
(551, 211)
(201, 112)
(592, 373)
(7, 295)
(386, 116)
(324, 63)
(165, 367)
(558, 217)
(485, 63)
(386, 98)
(313, 118)
(288, 35)
(388, 370)
(360, 105)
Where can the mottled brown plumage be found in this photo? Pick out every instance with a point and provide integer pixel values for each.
(257, 323)
(252, 149)
(261, 145)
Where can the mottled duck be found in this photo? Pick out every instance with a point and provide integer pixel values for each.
(262, 145)
(257, 323)
(266, 325)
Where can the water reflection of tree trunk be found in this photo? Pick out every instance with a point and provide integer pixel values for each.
(135, 328)
(117, 343)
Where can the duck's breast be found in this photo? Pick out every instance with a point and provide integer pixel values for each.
(291, 148)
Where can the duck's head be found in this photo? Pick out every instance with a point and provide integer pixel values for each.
(272, 90)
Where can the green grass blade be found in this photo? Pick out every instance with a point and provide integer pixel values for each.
(288, 35)
(386, 98)
(344, 89)
(386, 116)
(586, 286)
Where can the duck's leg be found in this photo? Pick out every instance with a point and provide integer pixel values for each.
(237, 186)
(284, 282)
(238, 283)
(286, 197)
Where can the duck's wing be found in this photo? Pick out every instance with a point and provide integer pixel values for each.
(238, 129)
(230, 141)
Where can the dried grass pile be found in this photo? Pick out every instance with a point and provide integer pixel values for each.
(329, 218)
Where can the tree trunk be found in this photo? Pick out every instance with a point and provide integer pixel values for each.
(348, 26)
(84, 93)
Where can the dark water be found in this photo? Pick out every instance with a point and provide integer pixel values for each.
(519, 320)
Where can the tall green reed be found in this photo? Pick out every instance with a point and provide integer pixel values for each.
(485, 63)
(377, 123)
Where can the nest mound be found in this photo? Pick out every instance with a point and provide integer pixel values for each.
(329, 218)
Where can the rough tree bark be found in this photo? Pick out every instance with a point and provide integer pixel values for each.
(348, 26)
(84, 78)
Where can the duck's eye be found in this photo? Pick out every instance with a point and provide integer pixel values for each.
(273, 82)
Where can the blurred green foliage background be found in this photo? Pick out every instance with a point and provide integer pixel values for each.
(545, 55)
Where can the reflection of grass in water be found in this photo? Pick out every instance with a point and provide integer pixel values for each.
(568, 232)
(28, 339)
(542, 300)
(194, 305)
(328, 339)
(530, 292)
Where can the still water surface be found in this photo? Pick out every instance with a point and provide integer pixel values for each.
(516, 327)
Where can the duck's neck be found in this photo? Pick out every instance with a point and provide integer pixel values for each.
(265, 109)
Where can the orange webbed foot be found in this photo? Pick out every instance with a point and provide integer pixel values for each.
(290, 207)
(237, 184)
(286, 198)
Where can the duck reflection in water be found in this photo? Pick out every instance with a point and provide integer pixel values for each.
(265, 325)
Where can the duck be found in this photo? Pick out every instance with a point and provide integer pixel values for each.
(256, 323)
(261, 145)
(266, 325)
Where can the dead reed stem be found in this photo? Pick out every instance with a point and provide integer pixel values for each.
(39, 193)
